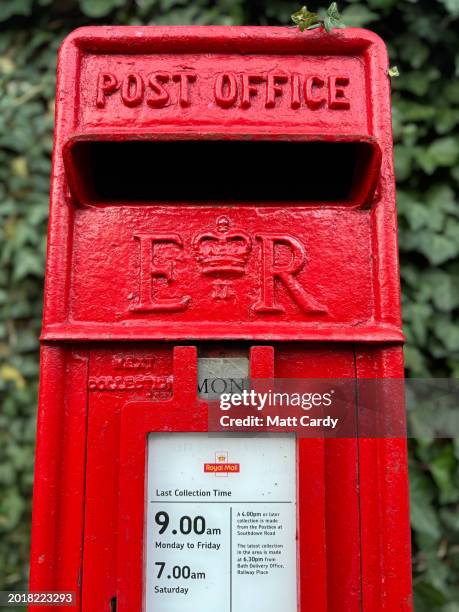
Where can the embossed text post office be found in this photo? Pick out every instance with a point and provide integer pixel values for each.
(222, 197)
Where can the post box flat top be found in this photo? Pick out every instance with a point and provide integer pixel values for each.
(245, 39)
(222, 182)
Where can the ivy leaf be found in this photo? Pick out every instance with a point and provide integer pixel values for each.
(445, 151)
(451, 519)
(381, 4)
(304, 18)
(332, 18)
(452, 6)
(423, 517)
(10, 373)
(448, 332)
(358, 15)
(427, 598)
(99, 8)
(444, 289)
(10, 8)
(443, 469)
(415, 361)
(11, 508)
(438, 248)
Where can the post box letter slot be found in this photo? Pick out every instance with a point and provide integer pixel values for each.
(293, 172)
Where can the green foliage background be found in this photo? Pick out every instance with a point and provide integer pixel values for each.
(423, 39)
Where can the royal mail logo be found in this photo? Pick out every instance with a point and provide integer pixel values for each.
(222, 467)
(226, 468)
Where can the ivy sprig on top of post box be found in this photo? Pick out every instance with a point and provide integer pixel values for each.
(307, 20)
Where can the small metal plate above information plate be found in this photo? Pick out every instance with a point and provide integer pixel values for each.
(217, 375)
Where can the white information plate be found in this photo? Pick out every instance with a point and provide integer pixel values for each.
(221, 523)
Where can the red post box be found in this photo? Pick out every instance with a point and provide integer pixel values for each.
(220, 195)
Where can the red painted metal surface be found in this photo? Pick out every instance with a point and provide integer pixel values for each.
(131, 280)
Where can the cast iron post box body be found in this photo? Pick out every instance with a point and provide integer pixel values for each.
(217, 191)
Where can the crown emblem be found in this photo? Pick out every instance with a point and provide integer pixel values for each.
(223, 252)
